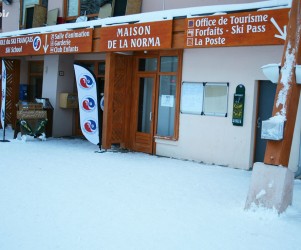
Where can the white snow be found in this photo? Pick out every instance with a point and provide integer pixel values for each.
(261, 194)
(286, 77)
(60, 194)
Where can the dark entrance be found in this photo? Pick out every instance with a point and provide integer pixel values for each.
(266, 96)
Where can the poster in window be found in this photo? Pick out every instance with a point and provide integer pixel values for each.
(167, 101)
(192, 98)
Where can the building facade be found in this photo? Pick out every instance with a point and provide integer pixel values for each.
(180, 79)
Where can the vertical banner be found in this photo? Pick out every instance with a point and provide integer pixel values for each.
(3, 91)
(88, 104)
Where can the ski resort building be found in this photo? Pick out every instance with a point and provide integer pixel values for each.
(180, 79)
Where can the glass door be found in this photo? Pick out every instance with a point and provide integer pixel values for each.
(144, 110)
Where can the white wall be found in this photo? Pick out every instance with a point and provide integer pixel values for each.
(53, 85)
(212, 139)
(11, 22)
(53, 4)
(155, 5)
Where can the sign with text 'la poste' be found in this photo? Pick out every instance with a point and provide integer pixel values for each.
(141, 36)
(238, 29)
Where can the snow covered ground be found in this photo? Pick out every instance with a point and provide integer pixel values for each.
(60, 194)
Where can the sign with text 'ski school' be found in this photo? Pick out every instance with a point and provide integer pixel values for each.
(63, 42)
(266, 27)
(142, 36)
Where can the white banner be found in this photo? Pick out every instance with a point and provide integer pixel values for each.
(3, 74)
(87, 100)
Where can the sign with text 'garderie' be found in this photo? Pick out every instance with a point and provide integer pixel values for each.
(144, 36)
(64, 42)
(237, 29)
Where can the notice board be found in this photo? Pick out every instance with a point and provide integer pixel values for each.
(192, 98)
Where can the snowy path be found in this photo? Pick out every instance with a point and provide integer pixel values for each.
(59, 194)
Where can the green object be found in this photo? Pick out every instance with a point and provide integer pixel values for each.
(26, 127)
(41, 127)
(238, 106)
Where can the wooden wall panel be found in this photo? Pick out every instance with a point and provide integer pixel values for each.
(116, 116)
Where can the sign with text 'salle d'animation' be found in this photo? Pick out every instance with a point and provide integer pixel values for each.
(64, 42)
(238, 29)
(143, 36)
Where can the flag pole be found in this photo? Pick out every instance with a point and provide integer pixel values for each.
(3, 138)
(3, 97)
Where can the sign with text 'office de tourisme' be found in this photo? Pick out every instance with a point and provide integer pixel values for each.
(143, 36)
(238, 29)
(64, 42)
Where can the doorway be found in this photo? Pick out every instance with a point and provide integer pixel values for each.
(155, 99)
(266, 96)
(144, 108)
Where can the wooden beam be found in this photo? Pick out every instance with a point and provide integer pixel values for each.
(108, 101)
(288, 92)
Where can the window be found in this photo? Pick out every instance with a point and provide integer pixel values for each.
(148, 64)
(168, 101)
(28, 12)
(167, 105)
(35, 80)
(75, 8)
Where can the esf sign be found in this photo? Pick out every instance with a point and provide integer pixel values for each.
(148, 36)
(238, 29)
(76, 41)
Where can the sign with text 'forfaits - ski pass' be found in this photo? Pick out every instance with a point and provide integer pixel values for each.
(140, 36)
(88, 104)
(64, 42)
(266, 27)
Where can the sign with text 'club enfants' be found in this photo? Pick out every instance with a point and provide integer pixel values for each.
(265, 27)
(64, 42)
(139, 36)
(88, 103)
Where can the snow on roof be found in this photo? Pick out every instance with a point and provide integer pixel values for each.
(154, 16)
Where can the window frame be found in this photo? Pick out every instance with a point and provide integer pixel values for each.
(73, 18)
(177, 74)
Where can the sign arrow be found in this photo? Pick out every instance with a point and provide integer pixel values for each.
(282, 33)
(46, 45)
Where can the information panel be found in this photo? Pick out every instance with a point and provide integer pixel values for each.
(238, 29)
(74, 41)
(192, 98)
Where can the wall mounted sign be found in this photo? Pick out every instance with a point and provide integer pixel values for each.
(142, 36)
(64, 42)
(192, 98)
(238, 106)
(237, 29)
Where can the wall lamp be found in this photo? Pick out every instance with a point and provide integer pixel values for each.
(272, 72)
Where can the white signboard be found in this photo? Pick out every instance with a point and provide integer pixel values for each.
(167, 101)
(192, 98)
